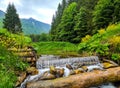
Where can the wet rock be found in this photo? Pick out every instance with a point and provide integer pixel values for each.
(108, 65)
(59, 72)
(72, 72)
(110, 61)
(52, 70)
(69, 66)
(32, 71)
(20, 79)
(78, 71)
(79, 65)
(84, 68)
(47, 76)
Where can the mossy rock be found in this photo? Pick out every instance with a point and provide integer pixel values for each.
(107, 65)
(47, 76)
(32, 71)
(52, 70)
(59, 72)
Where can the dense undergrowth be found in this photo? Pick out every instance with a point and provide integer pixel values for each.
(105, 43)
(10, 63)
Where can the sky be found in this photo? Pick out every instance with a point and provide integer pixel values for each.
(41, 10)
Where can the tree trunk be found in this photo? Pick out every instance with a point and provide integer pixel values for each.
(83, 80)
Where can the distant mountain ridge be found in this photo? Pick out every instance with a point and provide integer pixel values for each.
(30, 26)
(2, 14)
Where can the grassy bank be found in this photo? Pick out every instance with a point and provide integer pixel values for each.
(9, 64)
(56, 48)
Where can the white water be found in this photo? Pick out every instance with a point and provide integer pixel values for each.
(46, 61)
(41, 71)
(107, 85)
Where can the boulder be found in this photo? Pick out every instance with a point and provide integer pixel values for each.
(78, 71)
(107, 65)
(59, 72)
(52, 70)
(69, 67)
(84, 68)
(72, 72)
(47, 76)
(32, 71)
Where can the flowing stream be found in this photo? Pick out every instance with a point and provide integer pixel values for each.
(48, 60)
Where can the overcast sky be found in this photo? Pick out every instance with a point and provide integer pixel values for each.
(41, 10)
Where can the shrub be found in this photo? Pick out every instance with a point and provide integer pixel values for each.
(9, 63)
(86, 38)
(104, 43)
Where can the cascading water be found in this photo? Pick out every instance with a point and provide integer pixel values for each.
(46, 61)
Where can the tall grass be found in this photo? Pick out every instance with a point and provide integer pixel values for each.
(56, 48)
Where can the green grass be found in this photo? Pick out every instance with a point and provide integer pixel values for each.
(9, 64)
(56, 48)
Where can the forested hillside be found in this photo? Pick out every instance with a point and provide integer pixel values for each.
(76, 18)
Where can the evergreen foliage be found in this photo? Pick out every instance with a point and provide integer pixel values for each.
(57, 19)
(67, 23)
(11, 21)
(89, 16)
(103, 13)
(81, 25)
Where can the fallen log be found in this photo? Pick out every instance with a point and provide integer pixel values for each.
(83, 80)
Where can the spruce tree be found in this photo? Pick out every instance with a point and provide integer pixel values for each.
(66, 27)
(103, 14)
(82, 27)
(11, 21)
(57, 19)
(116, 14)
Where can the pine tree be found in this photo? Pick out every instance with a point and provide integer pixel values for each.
(116, 14)
(82, 27)
(57, 19)
(103, 14)
(11, 21)
(67, 23)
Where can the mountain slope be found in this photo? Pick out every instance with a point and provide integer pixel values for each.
(2, 14)
(30, 26)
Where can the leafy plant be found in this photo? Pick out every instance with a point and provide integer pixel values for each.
(9, 63)
(104, 43)
(115, 56)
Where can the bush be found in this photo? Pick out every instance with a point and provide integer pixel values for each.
(9, 40)
(105, 42)
(9, 63)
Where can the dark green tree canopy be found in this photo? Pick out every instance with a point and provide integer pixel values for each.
(11, 21)
(74, 22)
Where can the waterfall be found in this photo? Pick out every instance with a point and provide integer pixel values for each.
(46, 63)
